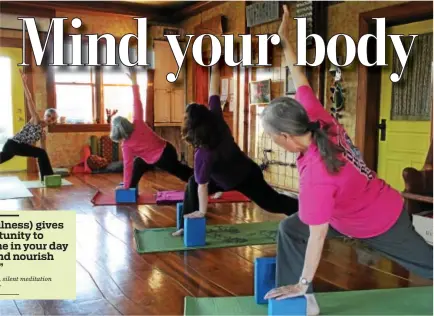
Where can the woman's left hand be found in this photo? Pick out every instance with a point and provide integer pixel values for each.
(287, 291)
(197, 214)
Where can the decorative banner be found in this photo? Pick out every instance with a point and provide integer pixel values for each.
(262, 12)
(304, 9)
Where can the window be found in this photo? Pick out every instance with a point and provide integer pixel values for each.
(83, 94)
(75, 89)
(117, 87)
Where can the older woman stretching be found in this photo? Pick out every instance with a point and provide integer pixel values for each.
(22, 144)
(339, 195)
(142, 148)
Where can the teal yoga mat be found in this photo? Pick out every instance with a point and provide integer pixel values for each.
(403, 301)
(218, 236)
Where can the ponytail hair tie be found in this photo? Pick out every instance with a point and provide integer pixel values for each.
(313, 126)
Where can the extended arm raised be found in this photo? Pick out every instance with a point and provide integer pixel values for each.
(30, 103)
(297, 72)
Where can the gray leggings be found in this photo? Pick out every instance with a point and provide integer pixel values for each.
(401, 243)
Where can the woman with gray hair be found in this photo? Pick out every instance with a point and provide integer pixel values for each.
(339, 195)
(22, 144)
(142, 148)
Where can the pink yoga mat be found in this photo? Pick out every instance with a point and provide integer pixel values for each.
(166, 197)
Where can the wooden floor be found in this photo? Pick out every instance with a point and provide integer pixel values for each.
(113, 279)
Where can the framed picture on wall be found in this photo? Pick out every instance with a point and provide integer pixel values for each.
(260, 92)
(289, 83)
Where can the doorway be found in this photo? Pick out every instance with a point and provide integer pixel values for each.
(12, 105)
(405, 106)
(369, 78)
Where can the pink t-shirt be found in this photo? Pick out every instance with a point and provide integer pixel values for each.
(354, 201)
(143, 142)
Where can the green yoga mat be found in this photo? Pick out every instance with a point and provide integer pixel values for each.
(39, 184)
(404, 301)
(217, 236)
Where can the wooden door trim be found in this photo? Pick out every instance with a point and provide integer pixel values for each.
(369, 78)
(149, 107)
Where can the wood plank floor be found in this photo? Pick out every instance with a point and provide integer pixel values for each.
(113, 279)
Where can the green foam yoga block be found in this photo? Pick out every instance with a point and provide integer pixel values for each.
(53, 181)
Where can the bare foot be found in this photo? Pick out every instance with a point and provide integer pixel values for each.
(312, 305)
(179, 232)
(217, 195)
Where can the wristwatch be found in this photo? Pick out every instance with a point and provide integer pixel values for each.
(304, 281)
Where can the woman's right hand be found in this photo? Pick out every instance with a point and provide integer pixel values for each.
(284, 26)
(23, 75)
(197, 214)
(131, 74)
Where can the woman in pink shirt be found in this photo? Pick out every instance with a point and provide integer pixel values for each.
(142, 148)
(339, 194)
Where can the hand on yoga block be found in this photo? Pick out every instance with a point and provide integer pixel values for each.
(126, 195)
(179, 215)
(194, 232)
(265, 278)
(288, 307)
(53, 181)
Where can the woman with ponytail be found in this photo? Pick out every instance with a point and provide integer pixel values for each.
(142, 148)
(338, 195)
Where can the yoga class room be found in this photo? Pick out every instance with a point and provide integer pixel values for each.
(216, 158)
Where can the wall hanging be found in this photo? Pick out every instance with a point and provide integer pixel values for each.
(260, 92)
(337, 90)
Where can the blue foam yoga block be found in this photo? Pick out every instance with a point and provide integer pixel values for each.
(194, 232)
(265, 277)
(126, 195)
(179, 216)
(288, 307)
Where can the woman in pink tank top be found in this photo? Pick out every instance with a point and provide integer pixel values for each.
(142, 148)
(338, 194)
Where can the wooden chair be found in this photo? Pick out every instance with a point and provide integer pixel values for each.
(418, 191)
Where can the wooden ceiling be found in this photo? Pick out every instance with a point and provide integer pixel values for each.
(167, 12)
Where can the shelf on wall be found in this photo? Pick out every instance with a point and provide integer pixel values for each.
(168, 124)
(417, 197)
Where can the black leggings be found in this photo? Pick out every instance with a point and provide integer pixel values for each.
(253, 186)
(13, 148)
(168, 162)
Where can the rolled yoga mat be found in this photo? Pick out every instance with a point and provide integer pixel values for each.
(13, 188)
(39, 184)
(165, 197)
(402, 301)
(217, 236)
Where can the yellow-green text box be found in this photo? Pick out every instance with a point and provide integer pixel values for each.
(37, 255)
